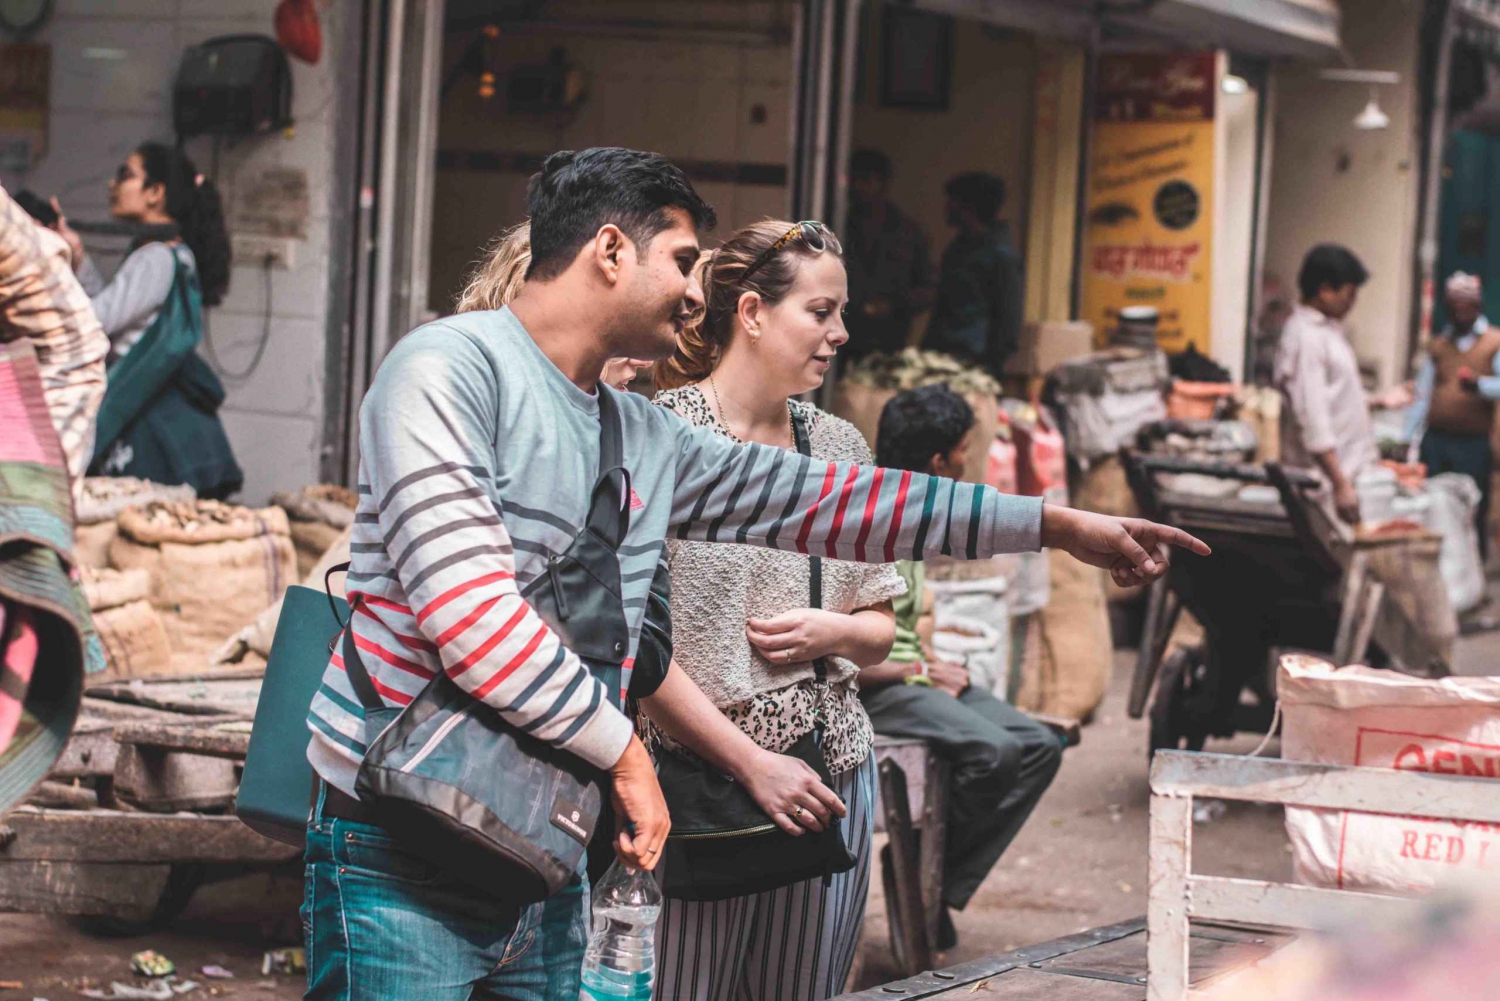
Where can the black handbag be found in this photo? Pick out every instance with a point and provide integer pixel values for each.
(722, 843)
(461, 786)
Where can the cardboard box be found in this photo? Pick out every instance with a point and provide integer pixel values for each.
(1049, 343)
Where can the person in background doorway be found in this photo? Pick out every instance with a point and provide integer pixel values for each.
(981, 294)
(1325, 421)
(42, 302)
(1002, 759)
(159, 419)
(890, 270)
(1456, 392)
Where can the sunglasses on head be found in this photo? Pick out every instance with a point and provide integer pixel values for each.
(814, 234)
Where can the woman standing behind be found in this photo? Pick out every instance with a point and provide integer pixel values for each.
(775, 294)
(159, 419)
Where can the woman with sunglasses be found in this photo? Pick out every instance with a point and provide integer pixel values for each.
(774, 297)
(159, 419)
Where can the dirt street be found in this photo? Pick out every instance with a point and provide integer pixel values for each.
(1081, 862)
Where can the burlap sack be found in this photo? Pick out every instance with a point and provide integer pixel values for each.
(135, 640)
(213, 568)
(1104, 489)
(318, 515)
(101, 501)
(252, 644)
(1074, 651)
(1383, 719)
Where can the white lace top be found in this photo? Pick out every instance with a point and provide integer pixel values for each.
(717, 588)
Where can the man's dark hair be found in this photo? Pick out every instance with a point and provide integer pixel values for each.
(576, 193)
(1329, 264)
(920, 424)
(984, 193)
(870, 163)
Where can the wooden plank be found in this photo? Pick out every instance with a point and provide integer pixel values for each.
(1171, 851)
(90, 752)
(1026, 984)
(1334, 787)
(228, 740)
(210, 697)
(911, 756)
(908, 918)
(1209, 955)
(113, 836)
(123, 891)
(168, 781)
(67, 796)
(933, 842)
(1215, 898)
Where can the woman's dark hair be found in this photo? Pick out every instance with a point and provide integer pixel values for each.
(576, 193)
(194, 205)
(920, 424)
(1329, 264)
(722, 275)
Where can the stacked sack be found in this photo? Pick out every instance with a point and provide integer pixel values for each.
(319, 515)
(102, 500)
(135, 641)
(213, 567)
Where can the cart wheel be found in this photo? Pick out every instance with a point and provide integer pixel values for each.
(182, 883)
(1171, 717)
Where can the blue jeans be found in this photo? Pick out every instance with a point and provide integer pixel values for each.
(381, 923)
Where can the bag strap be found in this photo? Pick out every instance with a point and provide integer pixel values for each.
(359, 678)
(814, 564)
(609, 509)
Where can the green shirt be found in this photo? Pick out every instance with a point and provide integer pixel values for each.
(908, 607)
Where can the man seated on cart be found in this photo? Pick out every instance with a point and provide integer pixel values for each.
(1003, 760)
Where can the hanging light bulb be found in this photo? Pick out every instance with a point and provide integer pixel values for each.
(1372, 118)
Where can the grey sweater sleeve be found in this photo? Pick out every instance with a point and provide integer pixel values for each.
(136, 292)
(764, 496)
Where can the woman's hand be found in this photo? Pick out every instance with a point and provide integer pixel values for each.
(798, 636)
(790, 792)
(68, 233)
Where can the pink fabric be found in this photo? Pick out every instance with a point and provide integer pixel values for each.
(17, 661)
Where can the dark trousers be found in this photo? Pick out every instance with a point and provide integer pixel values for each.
(1002, 763)
(1468, 454)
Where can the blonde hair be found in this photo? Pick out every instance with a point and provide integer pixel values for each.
(722, 274)
(497, 278)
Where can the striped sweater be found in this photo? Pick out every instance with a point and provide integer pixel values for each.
(478, 459)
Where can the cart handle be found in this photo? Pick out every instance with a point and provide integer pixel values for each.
(1223, 470)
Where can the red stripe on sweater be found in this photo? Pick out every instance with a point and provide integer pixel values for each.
(394, 694)
(462, 589)
(416, 643)
(890, 536)
(370, 599)
(812, 512)
(876, 479)
(447, 635)
(479, 652)
(515, 662)
(838, 515)
(396, 661)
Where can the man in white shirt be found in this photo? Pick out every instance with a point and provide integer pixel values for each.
(1325, 423)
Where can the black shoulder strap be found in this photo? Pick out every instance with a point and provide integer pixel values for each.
(814, 563)
(609, 507)
(359, 678)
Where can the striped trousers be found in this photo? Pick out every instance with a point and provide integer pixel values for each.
(792, 944)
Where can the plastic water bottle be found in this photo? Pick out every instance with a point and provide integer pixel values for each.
(620, 964)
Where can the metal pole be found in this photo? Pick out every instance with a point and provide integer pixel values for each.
(1437, 142)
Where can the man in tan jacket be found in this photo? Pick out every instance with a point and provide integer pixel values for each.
(1456, 392)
